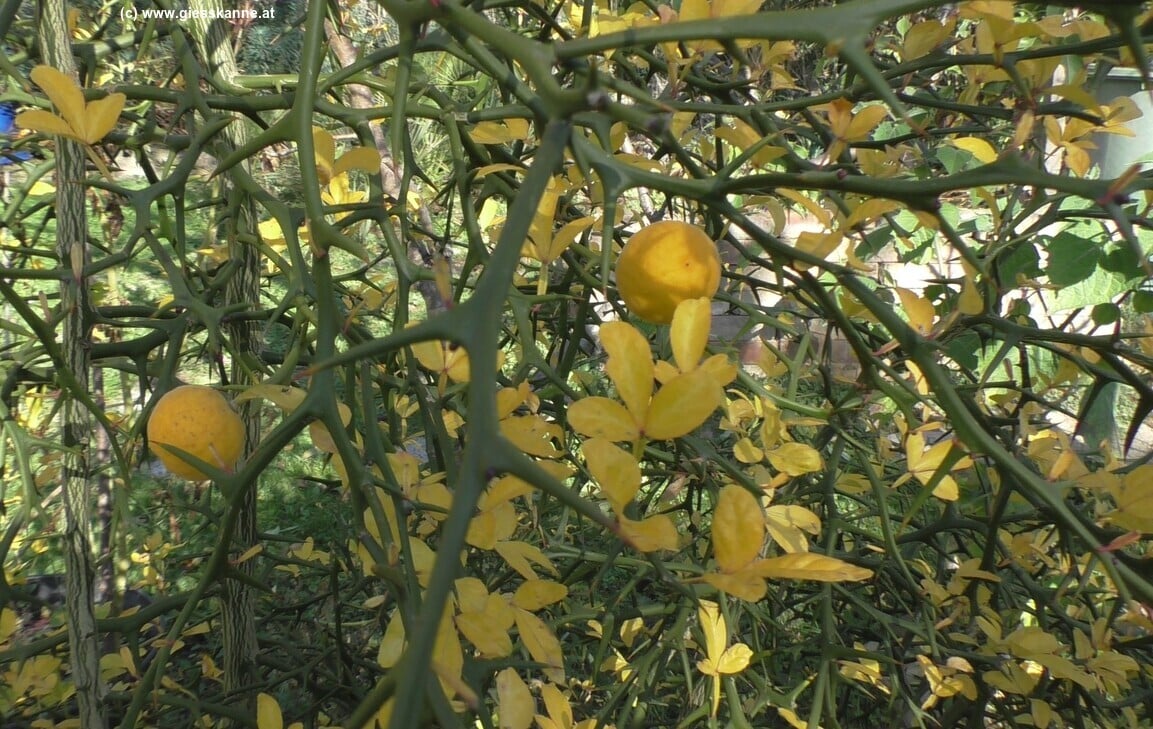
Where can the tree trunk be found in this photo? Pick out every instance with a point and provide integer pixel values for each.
(238, 607)
(76, 421)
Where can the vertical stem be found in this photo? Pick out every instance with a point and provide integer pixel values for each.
(76, 425)
(238, 607)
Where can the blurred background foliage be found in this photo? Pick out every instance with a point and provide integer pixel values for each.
(935, 309)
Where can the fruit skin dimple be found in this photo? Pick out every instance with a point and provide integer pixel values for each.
(198, 420)
(664, 264)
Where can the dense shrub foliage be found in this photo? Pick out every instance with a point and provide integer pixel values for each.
(893, 473)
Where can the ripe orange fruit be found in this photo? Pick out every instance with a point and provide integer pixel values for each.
(198, 420)
(662, 265)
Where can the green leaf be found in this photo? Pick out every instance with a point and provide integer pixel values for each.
(1072, 259)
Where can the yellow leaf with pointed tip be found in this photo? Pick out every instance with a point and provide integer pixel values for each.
(542, 644)
(514, 701)
(690, 332)
(715, 633)
(924, 463)
(651, 534)
(1134, 498)
(492, 525)
(532, 595)
(470, 593)
(486, 633)
(285, 397)
(817, 244)
(665, 371)
(735, 659)
(795, 459)
(521, 557)
(808, 566)
(742, 136)
(629, 366)
(616, 471)
(101, 117)
(443, 358)
(534, 435)
(64, 93)
(564, 237)
(865, 121)
(557, 706)
(600, 417)
(364, 159)
(745, 452)
(391, 643)
(788, 525)
(970, 302)
(925, 36)
(721, 369)
(738, 528)
(682, 405)
(871, 209)
(919, 311)
(324, 147)
(741, 585)
(979, 148)
(85, 123)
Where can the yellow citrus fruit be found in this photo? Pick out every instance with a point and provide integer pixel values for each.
(198, 420)
(664, 264)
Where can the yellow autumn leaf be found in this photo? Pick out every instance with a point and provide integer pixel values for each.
(486, 637)
(808, 566)
(720, 658)
(564, 237)
(514, 701)
(499, 132)
(557, 707)
(742, 136)
(1133, 495)
(542, 644)
(682, 405)
(532, 595)
(534, 435)
(443, 358)
(742, 585)
(870, 209)
(86, 123)
(820, 245)
(268, 715)
(919, 311)
(690, 332)
(600, 417)
(494, 524)
(629, 366)
(979, 148)
(924, 463)
(521, 557)
(795, 459)
(788, 525)
(616, 471)
(970, 302)
(285, 397)
(738, 528)
(745, 451)
(651, 534)
(925, 36)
